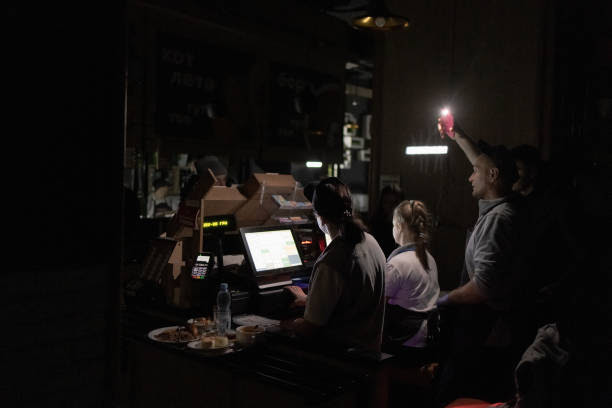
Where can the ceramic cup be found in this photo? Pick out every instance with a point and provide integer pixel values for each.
(247, 335)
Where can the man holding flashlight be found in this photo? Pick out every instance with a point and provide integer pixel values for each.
(494, 235)
(485, 340)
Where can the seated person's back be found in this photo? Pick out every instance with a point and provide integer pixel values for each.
(411, 278)
(345, 303)
(346, 293)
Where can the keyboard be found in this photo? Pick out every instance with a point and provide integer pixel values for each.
(254, 320)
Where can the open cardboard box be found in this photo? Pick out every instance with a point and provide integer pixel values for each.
(271, 194)
(221, 200)
(213, 199)
(274, 183)
(205, 199)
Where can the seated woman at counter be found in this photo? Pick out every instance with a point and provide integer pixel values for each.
(345, 302)
(411, 279)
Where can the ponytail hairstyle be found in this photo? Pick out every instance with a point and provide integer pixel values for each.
(413, 214)
(332, 200)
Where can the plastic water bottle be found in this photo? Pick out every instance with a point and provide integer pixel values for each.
(223, 317)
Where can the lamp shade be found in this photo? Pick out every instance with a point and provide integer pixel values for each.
(378, 18)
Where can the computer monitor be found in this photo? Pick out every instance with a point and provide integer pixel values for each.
(271, 250)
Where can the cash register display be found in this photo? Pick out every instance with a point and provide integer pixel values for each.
(271, 249)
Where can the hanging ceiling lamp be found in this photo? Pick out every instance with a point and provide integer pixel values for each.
(378, 18)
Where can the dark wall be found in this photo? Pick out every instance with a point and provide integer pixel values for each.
(524, 72)
(65, 122)
(483, 60)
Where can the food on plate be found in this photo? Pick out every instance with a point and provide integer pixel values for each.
(175, 335)
(199, 325)
(221, 341)
(208, 342)
(213, 342)
(203, 321)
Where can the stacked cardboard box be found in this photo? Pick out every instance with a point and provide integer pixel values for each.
(265, 199)
(272, 199)
(205, 199)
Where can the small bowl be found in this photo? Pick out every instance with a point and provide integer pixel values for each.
(247, 335)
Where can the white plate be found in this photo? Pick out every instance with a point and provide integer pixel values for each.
(197, 345)
(155, 332)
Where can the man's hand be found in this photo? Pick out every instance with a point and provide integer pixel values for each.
(298, 293)
(446, 126)
(443, 301)
(468, 294)
(452, 129)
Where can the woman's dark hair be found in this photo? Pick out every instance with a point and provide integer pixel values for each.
(332, 200)
(414, 215)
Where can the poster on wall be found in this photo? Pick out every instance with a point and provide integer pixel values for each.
(202, 91)
(307, 111)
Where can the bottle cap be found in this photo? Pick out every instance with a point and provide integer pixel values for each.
(223, 286)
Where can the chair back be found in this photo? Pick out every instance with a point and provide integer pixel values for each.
(433, 329)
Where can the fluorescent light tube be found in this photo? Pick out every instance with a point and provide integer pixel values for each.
(415, 150)
(313, 164)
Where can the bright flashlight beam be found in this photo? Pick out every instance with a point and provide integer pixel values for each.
(445, 111)
(418, 150)
(314, 164)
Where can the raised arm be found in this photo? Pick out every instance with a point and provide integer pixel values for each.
(469, 147)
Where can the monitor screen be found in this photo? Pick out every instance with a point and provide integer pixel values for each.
(271, 250)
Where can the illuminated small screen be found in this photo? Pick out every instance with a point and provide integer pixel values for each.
(327, 239)
(274, 249)
(200, 267)
(215, 224)
(203, 258)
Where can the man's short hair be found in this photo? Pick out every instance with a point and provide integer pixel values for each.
(502, 159)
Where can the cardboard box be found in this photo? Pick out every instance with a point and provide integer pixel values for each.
(251, 214)
(157, 258)
(221, 200)
(180, 290)
(205, 199)
(271, 183)
(272, 197)
(200, 188)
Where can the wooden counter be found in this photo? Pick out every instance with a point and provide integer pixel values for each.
(277, 372)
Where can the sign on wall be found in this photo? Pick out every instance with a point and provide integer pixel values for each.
(202, 90)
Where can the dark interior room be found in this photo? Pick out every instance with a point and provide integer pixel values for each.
(112, 106)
